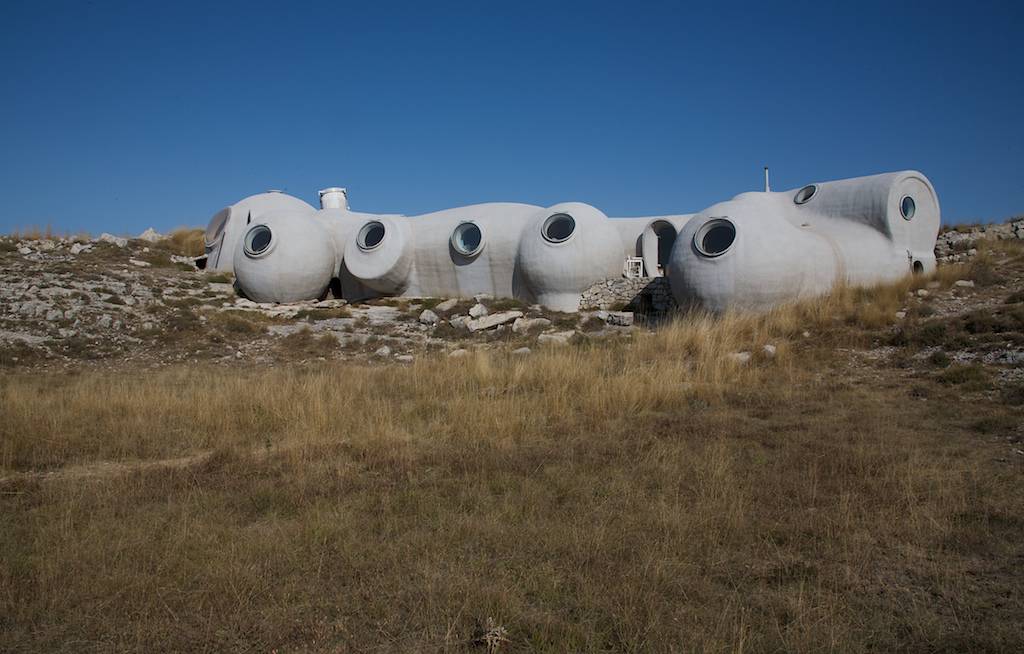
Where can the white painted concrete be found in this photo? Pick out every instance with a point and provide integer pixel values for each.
(848, 231)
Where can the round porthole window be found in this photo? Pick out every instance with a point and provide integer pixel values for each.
(558, 228)
(715, 237)
(907, 207)
(467, 239)
(370, 235)
(258, 240)
(805, 194)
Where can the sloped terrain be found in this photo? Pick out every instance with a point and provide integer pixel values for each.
(840, 474)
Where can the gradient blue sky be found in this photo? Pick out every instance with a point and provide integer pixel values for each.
(117, 116)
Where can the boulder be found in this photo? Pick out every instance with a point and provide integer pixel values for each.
(488, 322)
(151, 235)
(446, 306)
(428, 317)
(556, 338)
(478, 310)
(527, 325)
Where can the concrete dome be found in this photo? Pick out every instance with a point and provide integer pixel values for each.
(564, 250)
(225, 229)
(285, 256)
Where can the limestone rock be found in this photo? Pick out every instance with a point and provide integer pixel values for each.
(522, 351)
(740, 358)
(446, 306)
(527, 325)
(428, 317)
(487, 322)
(151, 235)
(115, 240)
(140, 264)
(477, 311)
(383, 351)
(769, 350)
(964, 283)
(557, 338)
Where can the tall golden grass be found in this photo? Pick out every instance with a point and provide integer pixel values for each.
(644, 496)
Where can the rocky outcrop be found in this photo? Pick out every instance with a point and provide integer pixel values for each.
(958, 244)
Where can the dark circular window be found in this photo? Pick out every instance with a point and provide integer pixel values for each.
(908, 207)
(805, 194)
(558, 228)
(257, 241)
(370, 235)
(714, 237)
(467, 239)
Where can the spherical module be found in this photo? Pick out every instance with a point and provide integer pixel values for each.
(285, 257)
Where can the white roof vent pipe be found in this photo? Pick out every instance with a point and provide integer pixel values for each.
(334, 198)
(767, 186)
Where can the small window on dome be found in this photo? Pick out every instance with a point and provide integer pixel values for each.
(907, 207)
(558, 228)
(370, 235)
(715, 237)
(805, 194)
(467, 239)
(258, 240)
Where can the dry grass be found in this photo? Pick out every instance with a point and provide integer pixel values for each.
(653, 496)
(186, 241)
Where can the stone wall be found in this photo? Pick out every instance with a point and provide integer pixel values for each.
(646, 296)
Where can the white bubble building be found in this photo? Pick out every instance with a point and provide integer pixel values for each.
(757, 250)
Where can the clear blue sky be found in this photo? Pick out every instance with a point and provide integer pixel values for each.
(117, 116)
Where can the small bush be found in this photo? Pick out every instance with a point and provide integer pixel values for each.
(939, 358)
(187, 242)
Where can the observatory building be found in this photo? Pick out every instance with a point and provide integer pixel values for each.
(754, 251)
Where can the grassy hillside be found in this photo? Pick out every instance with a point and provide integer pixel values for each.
(856, 489)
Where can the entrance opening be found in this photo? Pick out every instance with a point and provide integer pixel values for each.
(918, 268)
(666, 234)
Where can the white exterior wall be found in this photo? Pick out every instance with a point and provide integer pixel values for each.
(850, 231)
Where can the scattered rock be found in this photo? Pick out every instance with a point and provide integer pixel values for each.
(522, 351)
(383, 351)
(79, 248)
(446, 306)
(140, 264)
(769, 350)
(556, 338)
(483, 297)
(455, 354)
(922, 293)
(487, 322)
(151, 235)
(740, 358)
(964, 283)
(115, 240)
(527, 325)
(459, 322)
(900, 315)
(404, 358)
(477, 311)
(428, 317)
(619, 318)
(24, 251)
